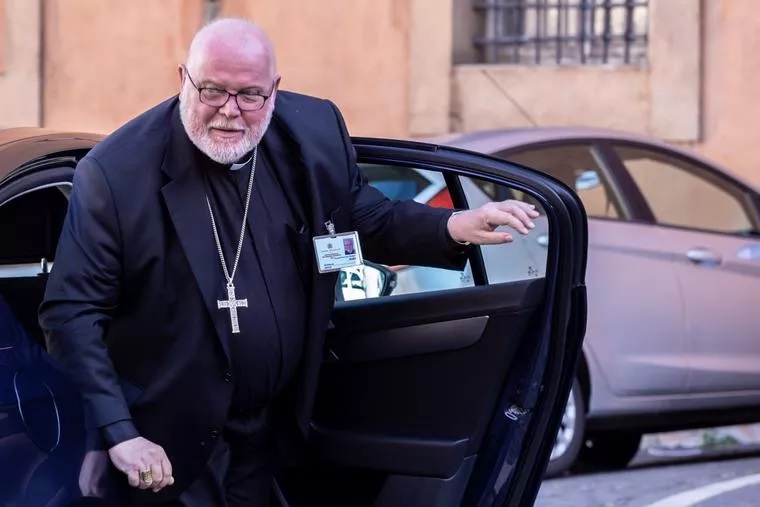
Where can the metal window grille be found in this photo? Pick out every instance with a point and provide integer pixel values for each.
(586, 32)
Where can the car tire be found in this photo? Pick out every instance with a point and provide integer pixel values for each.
(570, 436)
(610, 450)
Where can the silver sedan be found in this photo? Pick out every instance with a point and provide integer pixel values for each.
(673, 336)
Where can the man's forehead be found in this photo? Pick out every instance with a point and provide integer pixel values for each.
(252, 62)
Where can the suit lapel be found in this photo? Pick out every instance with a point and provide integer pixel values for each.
(287, 165)
(304, 168)
(185, 200)
(322, 286)
(280, 169)
(318, 213)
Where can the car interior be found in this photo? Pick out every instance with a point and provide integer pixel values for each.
(32, 222)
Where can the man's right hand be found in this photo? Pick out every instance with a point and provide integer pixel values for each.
(138, 454)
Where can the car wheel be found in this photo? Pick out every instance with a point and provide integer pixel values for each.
(570, 435)
(610, 450)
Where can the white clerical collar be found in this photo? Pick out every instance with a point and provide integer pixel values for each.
(237, 167)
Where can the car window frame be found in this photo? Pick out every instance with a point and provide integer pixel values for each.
(749, 199)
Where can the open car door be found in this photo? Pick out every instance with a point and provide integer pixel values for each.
(445, 388)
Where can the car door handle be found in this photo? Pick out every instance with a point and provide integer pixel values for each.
(702, 255)
(750, 252)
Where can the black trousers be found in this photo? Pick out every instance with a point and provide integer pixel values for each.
(240, 470)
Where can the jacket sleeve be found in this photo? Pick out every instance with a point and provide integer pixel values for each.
(398, 231)
(80, 298)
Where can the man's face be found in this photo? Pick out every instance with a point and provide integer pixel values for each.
(227, 133)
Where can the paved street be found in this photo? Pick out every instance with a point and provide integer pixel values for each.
(717, 479)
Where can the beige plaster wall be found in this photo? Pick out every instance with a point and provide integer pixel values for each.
(731, 98)
(354, 53)
(107, 61)
(429, 59)
(504, 96)
(19, 69)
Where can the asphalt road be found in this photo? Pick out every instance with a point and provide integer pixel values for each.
(717, 479)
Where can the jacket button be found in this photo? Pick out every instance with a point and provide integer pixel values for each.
(214, 434)
(228, 377)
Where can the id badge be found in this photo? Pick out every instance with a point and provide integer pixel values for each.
(337, 251)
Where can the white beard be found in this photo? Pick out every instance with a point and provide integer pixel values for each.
(220, 151)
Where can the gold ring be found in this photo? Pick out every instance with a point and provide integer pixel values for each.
(146, 476)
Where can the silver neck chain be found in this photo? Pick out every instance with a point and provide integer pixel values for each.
(227, 275)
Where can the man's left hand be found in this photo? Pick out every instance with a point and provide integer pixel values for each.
(478, 226)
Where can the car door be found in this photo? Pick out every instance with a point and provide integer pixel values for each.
(628, 356)
(450, 395)
(713, 227)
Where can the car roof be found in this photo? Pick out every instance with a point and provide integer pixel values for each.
(498, 140)
(505, 139)
(20, 145)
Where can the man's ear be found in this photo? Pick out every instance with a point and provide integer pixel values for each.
(181, 73)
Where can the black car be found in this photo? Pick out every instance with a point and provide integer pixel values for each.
(435, 398)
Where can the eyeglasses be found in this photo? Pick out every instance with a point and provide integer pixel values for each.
(215, 97)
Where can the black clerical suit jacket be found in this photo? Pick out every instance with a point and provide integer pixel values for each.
(130, 307)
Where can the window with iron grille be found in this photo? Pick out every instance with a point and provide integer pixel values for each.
(585, 32)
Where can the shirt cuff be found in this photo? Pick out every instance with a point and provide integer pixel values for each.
(118, 432)
(456, 245)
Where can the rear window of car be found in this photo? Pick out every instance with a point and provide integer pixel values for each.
(396, 182)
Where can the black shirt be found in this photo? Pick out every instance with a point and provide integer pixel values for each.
(267, 350)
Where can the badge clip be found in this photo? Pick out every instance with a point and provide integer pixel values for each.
(330, 228)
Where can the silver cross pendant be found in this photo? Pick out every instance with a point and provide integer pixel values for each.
(232, 304)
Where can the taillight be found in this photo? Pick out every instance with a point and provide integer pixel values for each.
(441, 200)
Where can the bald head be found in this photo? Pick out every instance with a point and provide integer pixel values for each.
(231, 38)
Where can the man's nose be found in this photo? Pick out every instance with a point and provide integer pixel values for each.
(230, 109)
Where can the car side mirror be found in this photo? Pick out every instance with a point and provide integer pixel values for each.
(380, 278)
(370, 280)
(587, 180)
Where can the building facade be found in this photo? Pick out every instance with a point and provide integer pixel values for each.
(679, 70)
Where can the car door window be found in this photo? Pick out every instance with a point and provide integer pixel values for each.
(683, 194)
(523, 259)
(374, 280)
(401, 183)
(579, 168)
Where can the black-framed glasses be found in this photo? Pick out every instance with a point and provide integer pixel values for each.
(216, 97)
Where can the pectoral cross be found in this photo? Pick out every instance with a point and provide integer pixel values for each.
(232, 305)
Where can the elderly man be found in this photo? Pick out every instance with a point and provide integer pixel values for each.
(186, 300)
